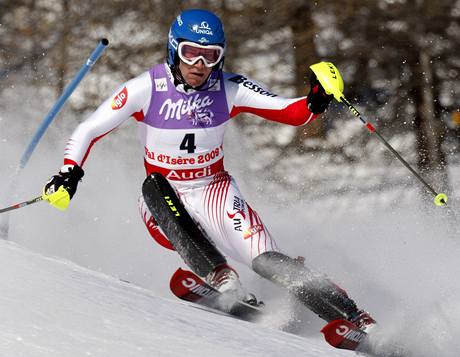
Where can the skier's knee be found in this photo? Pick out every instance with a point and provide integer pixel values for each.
(311, 288)
(260, 262)
(273, 263)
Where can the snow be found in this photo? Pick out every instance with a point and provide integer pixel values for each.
(394, 253)
(52, 307)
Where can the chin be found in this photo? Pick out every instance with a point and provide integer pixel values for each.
(195, 84)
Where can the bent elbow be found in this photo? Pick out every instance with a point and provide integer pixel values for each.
(304, 120)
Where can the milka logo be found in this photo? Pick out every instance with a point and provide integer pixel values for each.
(202, 29)
(194, 107)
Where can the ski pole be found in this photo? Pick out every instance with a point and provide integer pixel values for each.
(4, 223)
(61, 101)
(22, 204)
(332, 82)
(59, 199)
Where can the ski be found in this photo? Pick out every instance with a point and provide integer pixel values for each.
(339, 333)
(187, 286)
(343, 334)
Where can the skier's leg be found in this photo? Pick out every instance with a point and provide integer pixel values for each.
(152, 226)
(220, 210)
(232, 225)
(238, 231)
(183, 233)
(314, 290)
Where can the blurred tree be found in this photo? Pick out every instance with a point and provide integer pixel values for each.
(273, 42)
(25, 38)
(394, 65)
(303, 34)
(399, 59)
(63, 57)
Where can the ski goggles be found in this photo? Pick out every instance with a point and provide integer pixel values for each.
(191, 53)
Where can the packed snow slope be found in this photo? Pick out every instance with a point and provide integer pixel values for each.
(51, 307)
(394, 252)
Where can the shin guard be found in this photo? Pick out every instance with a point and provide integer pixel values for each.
(183, 233)
(312, 289)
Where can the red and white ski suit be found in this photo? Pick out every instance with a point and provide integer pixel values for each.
(182, 132)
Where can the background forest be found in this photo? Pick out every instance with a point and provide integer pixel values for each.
(328, 191)
(399, 60)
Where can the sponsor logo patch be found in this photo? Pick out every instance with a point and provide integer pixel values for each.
(216, 87)
(239, 208)
(172, 41)
(120, 99)
(251, 85)
(197, 288)
(190, 174)
(248, 233)
(161, 85)
(196, 108)
(173, 208)
(349, 334)
(202, 29)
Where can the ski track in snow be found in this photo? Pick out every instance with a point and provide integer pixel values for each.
(51, 307)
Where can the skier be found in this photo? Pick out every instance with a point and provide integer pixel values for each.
(182, 108)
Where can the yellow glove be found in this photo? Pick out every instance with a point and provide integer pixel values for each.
(59, 199)
(61, 187)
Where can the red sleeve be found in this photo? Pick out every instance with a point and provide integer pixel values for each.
(247, 96)
(296, 113)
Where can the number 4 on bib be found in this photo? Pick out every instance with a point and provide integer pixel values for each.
(188, 143)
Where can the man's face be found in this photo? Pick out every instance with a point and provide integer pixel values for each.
(196, 74)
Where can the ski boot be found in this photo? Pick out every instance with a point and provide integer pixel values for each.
(363, 321)
(226, 280)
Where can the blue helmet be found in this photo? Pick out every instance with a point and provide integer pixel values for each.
(199, 26)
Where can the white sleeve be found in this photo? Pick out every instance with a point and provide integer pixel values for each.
(247, 96)
(130, 99)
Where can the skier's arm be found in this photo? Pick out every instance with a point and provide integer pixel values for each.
(247, 96)
(130, 100)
